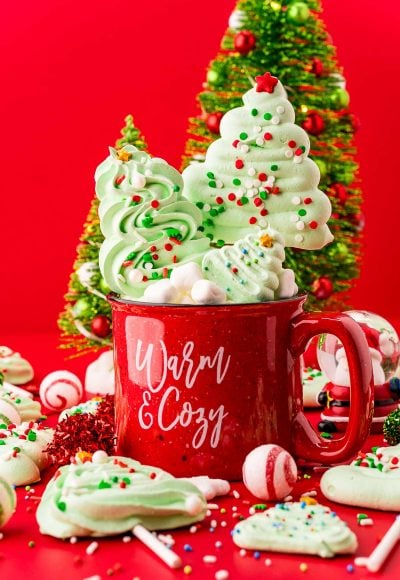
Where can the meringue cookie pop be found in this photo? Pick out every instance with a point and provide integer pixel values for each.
(258, 173)
(148, 229)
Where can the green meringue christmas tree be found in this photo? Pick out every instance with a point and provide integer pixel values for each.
(289, 38)
(86, 319)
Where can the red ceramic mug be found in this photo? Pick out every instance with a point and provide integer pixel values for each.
(198, 387)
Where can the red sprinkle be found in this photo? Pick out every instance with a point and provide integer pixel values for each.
(153, 475)
(231, 196)
(313, 225)
(307, 200)
(219, 200)
(262, 176)
(165, 272)
(239, 164)
(252, 220)
(239, 202)
(234, 270)
(153, 248)
(235, 143)
(257, 201)
(292, 144)
(155, 203)
(168, 247)
(175, 241)
(127, 263)
(298, 152)
(264, 212)
(267, 136)
(155, 256)
(174, 259)
(136, 198)
(145, 279)
(122, 484)
(131, 470)
(395, 460)
(120, 179)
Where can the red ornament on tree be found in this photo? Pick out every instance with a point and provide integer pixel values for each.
(340, 192)
(317, 67)
(213, 122)
(101, 326)
(322, 288)
(314, 124)
(244, 41)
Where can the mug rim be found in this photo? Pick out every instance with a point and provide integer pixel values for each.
(116, 298)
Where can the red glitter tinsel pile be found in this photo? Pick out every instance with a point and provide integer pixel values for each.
(84, 432)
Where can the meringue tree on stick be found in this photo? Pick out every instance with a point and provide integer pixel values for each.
(86, 319)
(289, 39)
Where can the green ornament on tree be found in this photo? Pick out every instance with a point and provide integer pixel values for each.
(81, 308)
(322, 166)
(391, 427)
(212, 76)
(298, 12)
(339, 98)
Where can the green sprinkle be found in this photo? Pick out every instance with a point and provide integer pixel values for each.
(32, 436)
(302, 148)
(126, 480)
(200, 204)
(361, 517)
(2, 442)
(176, 188)
(243, 136)
(104, 485)
(62, 506)
(302, 212)
(326, 435)
(244, 200)
(210, 237)
(213, 212)
(220, 243)
(208, 222)
(212, 184)
(274, 167)
(267, 116)
(201, 228)
(147, 221)
(374, 449)
(254, 112)
(3, 426)
(147, 257)
(380, 466)
(263, 195)
(17, 449)
(17, 400)
(236, 181)
(155, 276)
(221, 209)
(210, 175)
(114, 479)
(131, 256)
(172, 232)
(260, 506)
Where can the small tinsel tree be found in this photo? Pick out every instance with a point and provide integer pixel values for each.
(289, 39)
(86, 319)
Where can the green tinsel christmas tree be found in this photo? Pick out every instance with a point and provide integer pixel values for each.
(289, 39)
(86, 319)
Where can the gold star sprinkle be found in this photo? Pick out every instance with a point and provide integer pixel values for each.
(123, 155)
(266, 241)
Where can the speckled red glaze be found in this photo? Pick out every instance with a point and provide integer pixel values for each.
(249, 389)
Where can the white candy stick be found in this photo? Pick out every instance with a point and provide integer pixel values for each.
(157, 547)
(383, 549)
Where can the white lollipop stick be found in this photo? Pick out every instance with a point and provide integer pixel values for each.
(385, 546)
(157, 547)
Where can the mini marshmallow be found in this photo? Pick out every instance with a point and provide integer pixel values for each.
(185, 276)
(287, 284)
(161, 292)
(207, 292)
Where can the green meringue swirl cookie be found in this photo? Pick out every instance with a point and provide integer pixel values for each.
(250, 270)
(148, 229)
(25, 407)
(258, 174)
(295, 527)
(111, 497)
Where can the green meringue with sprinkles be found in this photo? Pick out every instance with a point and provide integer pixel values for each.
(258, 174)
(148, 227)
(251, 270)
(110, 495)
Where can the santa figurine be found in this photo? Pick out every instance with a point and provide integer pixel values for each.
(335, 396)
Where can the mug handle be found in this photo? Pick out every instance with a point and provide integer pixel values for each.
(307, 443)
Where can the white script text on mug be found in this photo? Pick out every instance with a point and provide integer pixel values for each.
(153, 356)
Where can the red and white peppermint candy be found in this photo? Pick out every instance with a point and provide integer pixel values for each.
(269, 472)
(60, 390)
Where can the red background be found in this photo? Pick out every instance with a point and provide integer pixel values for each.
(70, 73)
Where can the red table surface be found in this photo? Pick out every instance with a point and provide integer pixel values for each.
(56, 559)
